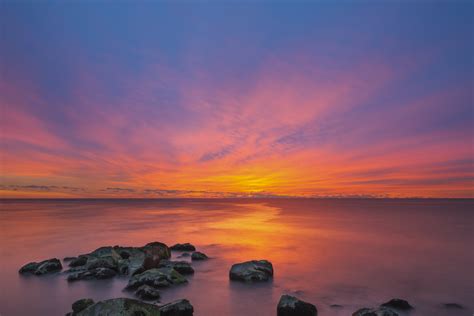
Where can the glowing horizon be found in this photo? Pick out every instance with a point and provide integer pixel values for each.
(221, 100)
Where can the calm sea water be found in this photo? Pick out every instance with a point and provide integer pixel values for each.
(354, 253)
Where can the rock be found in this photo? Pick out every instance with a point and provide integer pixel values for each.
(291, 306)
(122, 307)
(108, 262)
(398, 304)
(43, 267)
(381, 311)
(184, 254)
(161, 277)
(183, 247)
(255, 270)
(82, 304)
(177, 308)
(77, 262)
(199, 256)
(453, 305)
(146, 292)
(97, 273)
(335, 306)
(67, 259)
(183, 267)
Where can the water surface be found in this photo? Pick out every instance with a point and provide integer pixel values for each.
(354, 253)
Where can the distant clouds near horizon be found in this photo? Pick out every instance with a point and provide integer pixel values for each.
(216, 99)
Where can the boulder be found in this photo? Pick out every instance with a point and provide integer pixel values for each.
(43, 267)
(381, 311)
(183, 267)
(80, 305)
(249, 271)
(199, 256)
(177, 308)
(183, 247)
(398, 304)
(292, 306)
(146, 292)
(122, 307)
(161, 277)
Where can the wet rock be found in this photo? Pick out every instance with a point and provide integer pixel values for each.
(335, 306)
(146, 292)
(291, 306)
(453, 306)
(108, 262)
(199, 256)
(183, 267)
(184, 254)
(97, 273)
(43, 267)
(77, 262)
(122, 307)
(183, 247)
(249, 271)
(381, 311)
(398, 304)
(161, 277)
(177, 308)
(80, 305)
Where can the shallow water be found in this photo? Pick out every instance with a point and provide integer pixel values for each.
(354, 253)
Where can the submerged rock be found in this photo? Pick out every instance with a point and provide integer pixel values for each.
(146, 292)
(453, 306)
(255, 270)
(80, 305)
(177, 308)
(182, 267)
(184, 254)
(381, 311)
(291, 306)
(183, 247)
(199, 256)
(43, 267)
(398, 304)
(161, 277)
(122, 307)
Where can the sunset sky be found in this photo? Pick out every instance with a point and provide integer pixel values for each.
(238, 98)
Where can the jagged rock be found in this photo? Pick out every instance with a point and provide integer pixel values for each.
(177, 308)
(249, 271)
(161, 277)
(80, 305)
(381, 311)
(122, 307)
(183, 247)
(292, 306)
(146, 292)
(43, 267)
(398, 304)
(199, 256)
(183, 267)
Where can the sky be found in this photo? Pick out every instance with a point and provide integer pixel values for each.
(237, 98)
